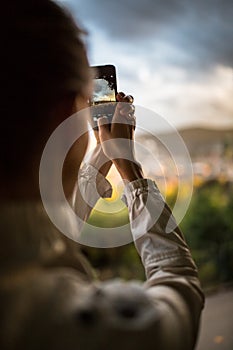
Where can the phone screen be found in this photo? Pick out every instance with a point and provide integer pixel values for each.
(104, 94)
(104, 91)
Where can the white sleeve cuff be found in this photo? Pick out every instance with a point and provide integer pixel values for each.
(93, 184)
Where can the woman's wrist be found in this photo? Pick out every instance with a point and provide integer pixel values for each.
(128, 169)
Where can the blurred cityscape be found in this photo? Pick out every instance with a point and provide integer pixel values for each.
(210, 150)
(199, 162)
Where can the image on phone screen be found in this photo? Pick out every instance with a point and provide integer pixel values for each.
(104, 93)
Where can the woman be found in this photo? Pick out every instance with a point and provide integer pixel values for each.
(48, 297)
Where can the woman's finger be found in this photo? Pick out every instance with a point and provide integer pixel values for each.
(120, 96)
(122, 112)
(128, 99)
(126, 109)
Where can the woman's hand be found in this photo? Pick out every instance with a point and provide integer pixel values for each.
(117, 141)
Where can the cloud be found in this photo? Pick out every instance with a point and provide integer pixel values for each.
(197, 33)
(186, 102)
(175, 56)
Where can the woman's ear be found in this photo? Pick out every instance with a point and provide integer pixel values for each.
(81, 102)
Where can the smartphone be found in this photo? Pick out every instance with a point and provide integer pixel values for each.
(104, 94)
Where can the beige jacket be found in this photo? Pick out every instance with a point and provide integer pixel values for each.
(48, 300)
(172, 287)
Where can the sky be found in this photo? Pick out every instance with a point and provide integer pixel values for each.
(174, 56)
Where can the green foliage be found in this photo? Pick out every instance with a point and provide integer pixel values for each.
(123, 262)
(208, 226)
(208, 272)
(102, 219)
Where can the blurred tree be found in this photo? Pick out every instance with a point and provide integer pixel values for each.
(209, 228)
